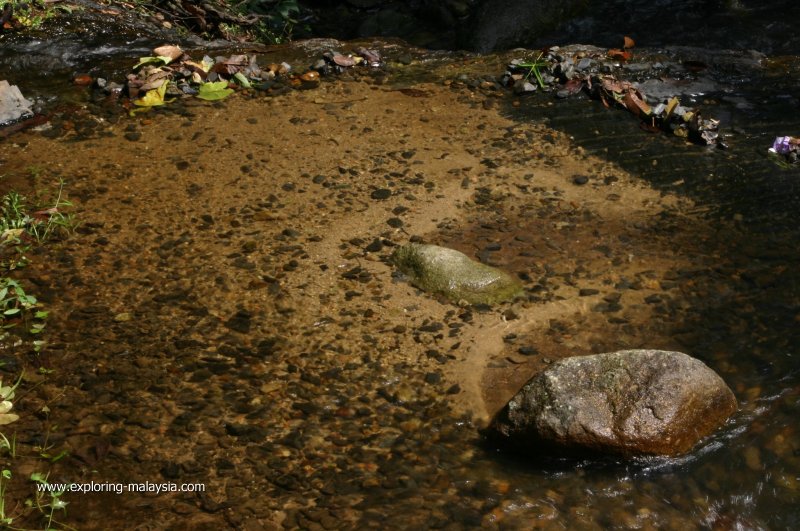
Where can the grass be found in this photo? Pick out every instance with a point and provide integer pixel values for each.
(47, 500)
(20, 228)
(534, 69)
(18, 224)
(23, 225)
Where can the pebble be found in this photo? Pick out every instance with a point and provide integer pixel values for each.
(381, 193)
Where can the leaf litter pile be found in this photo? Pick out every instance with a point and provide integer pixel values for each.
(573, 75)
(170, 74)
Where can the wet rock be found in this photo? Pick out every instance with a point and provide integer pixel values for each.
(522, 86)
(631, 402)
(453, 274)
(13, 104)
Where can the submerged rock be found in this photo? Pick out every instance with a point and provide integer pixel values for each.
(631, 402)
(13, 104)
(453, 274)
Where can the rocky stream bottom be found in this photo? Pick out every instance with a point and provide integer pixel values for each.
(226, 314)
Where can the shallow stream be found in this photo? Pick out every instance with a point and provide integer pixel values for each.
(224, 315)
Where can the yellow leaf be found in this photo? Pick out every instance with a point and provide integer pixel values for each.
(153, 97)
(671, 106)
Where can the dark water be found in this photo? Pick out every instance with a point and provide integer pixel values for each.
(747, 477)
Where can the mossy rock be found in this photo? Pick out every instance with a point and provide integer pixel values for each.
(453, 274)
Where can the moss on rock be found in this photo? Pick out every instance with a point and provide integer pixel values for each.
(453, 274)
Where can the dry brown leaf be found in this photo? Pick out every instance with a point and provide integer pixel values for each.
(622, 55)
(636, 104)
(168, 50)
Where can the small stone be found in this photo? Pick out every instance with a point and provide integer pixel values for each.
(240, 322)
(381, 193)
(433, 378)
(580, 180)
(586, 292)
(375, 246)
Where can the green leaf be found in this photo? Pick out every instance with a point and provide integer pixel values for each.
(41, 315)
(217, 90)
(241, 79)
(158, 60)
(61, 455)
(59, 503)
(12, 311)
(38, 477)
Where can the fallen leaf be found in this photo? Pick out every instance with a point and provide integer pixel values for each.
(636, 104)
(242, 80)
(155, 61)
(622, 55)
(8, 418)
(168, 50)
(197, 67)
(671, 107)
(629, 43)
(344, 60)
(213, 91)
(573, 86)
(10, 235)
(153, 97)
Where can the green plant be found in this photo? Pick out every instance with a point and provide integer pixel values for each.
(19, 227)
(48, 498)
(5, 478)
(16, 306)
(278, 18)
(17, 224)
(6, 396)
(535, 67)
(31, 13)
(13, 300)
(9, 446)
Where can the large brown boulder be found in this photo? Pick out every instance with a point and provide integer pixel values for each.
(631, 402)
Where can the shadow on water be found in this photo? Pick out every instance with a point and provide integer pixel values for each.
(737, 311)
(742, 181)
